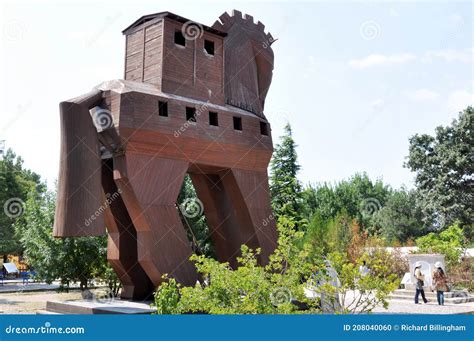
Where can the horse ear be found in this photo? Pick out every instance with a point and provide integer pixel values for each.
(79, 195)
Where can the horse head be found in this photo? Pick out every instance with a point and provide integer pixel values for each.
(248, 61)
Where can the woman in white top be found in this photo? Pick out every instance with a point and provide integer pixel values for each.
(420, 282)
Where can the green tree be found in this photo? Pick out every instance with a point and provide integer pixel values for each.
(285, 189)
(340, 232)
(191, 211)
(450, 242)
(361, 198)
(316, 234)
(358, 197)
(444, 167)
(65, 259)
(320, 199)
(329, 235)
(400, 219)
(15, 184)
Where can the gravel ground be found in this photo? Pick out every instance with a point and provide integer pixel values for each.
(31, 302)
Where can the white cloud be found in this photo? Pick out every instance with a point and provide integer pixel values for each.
(311, 64)
(377, 104)
(311, 67)
(393, 12)
(459, 100)
(456, 19)
(462, 56)
(424, 95)
(381, 60)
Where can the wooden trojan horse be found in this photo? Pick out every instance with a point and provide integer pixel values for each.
(191, 103)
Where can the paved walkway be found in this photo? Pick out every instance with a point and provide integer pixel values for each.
(19, 287)
(14, 286)
(14, 280)
(19, 299)
(400, 306)
(407, 307)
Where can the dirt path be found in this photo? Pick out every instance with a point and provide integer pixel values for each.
(31, 302)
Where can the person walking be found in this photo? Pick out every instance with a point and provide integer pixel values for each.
(420, 282)
(363, 269)
(440, 282)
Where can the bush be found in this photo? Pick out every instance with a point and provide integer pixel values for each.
(250, 288)
(450, 242)
(462, 275)
(278, 287)
(167, 297)
(330, 235)
(372, 250)
(359, 292)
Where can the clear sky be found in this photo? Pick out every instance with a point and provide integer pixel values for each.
(355, 79)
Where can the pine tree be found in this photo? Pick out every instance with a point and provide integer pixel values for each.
(285, 188)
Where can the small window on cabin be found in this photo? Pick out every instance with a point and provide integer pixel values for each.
(179, 38)
(209, 47)
(163, 109)
(263, 128)
(213, 120)
(190, 114)
(237, 123)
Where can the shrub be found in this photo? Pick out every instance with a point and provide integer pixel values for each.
(248, 289)
(361, 293)
(450, 243)
(372, 250)
(278, 287)
(462, 275)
